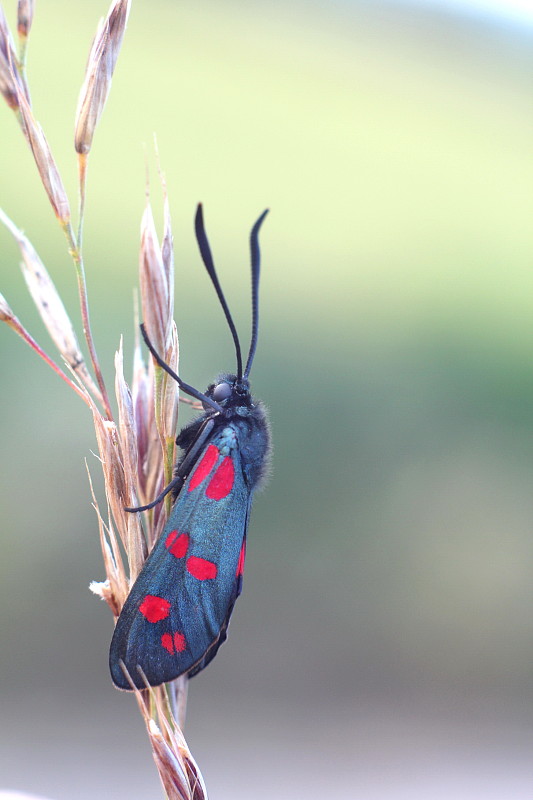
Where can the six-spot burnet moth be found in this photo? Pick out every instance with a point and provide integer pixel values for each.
(177, 613)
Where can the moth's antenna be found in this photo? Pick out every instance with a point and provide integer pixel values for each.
(184, 386)
(255, 257)
(207, 258)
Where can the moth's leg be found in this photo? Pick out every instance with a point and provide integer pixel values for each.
(183, 469)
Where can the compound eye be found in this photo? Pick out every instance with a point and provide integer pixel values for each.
(221, 392)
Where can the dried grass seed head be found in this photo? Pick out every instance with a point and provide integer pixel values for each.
(143, 412)
(25, 11)
(46, 298)
(120, 486)
(50, 306)
(170, 389)
(154, 284)
(99, 73)
(115, 485)
(115, 589)
(11, 81)
(48, 171)
(126, 423)
(167, 254)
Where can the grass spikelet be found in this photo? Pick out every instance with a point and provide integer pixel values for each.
(99, 73)
(11, 79)
(46, 165)
(50, 306)
(25, 11)
(154, 284)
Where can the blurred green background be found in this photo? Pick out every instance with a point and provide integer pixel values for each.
(383, 647)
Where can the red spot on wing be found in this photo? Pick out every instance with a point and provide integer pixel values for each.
(221, 483)
(201, 569)
(205, 466)
(174, 642)
(154, 608)
(177, 543)
(240, 562)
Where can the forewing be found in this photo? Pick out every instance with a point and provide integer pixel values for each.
(222, 636)
(177, 612)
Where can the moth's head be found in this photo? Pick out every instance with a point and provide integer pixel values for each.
(230, 392)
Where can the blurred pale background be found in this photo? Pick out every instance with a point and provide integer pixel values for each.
(383, 646)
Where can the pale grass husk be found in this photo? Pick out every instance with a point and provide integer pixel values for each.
(5, 311)
(12, 79)
(25, 12)
(136, 447)
(44, 160)
(99, 73)
(50, 306)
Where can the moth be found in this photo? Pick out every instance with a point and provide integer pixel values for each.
(177, 613)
